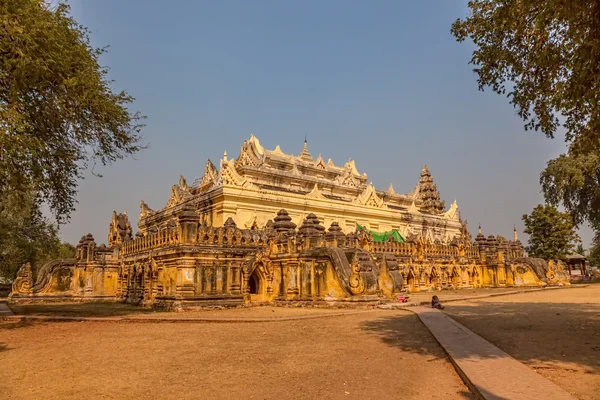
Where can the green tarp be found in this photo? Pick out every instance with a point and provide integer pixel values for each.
(383, 236)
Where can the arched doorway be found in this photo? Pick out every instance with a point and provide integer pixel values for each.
(254, 286)
(410, 281)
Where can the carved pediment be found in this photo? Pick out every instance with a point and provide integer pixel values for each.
(176, 196)
(183, 184)
(145, 211)
(295, 169)
(315, 193)
(452, 213)
(413, 209)
(370, 198)
(249, 154)
(210, 175)
(179, 193)
(320, 163)
(228, 175)
(351, 166)
(347, 178)
(255, 222)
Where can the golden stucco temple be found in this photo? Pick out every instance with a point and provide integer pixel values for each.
(252, 188)
(273, 227)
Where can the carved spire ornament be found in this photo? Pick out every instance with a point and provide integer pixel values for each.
(305, 155)
(428, 193)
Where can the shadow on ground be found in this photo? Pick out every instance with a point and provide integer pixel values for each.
(14, 324)
(537, 333)
(99, 309)
(534, 333)
(390, 330)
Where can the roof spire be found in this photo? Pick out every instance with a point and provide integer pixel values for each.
(515, 237)
(427, 191)
(305, 155)
(479, 229)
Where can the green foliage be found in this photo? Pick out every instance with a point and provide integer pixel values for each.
(26, 236)
(551, 233)
(574, 180)
(545, 57)
(58, 112)
(580, 250)
(594, 256)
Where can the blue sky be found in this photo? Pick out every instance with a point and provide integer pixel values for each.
(382, 82)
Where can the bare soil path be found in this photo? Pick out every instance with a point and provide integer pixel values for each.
(373, 355)
(556, 333)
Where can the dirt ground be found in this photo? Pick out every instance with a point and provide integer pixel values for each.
(372, 355)
(111, 309)
(555, 332)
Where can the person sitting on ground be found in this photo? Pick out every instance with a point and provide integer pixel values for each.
(435, 303)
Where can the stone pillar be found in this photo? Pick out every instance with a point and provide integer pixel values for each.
(293, 284)
(313, 291)
(219, 279)
(186, 270)
(236, 284)
(188, 226)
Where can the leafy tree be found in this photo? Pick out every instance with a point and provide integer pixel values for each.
(58, 112)
(580, 250)
(594, 255)
(551, 233)
(545, 57)
(26, 236)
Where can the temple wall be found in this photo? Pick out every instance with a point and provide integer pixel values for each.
(193, 265)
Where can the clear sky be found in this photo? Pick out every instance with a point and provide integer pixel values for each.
(382, 82)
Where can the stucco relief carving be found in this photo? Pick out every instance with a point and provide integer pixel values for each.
(369, 197)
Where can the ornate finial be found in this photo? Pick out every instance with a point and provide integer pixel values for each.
(225, 155)
(515, 237)
(305, 155)
(479, 229)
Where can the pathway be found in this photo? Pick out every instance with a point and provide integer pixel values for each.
(486, 369)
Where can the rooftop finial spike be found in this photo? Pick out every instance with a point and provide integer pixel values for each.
(515, 237)
(305, 155)
(479, 230)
